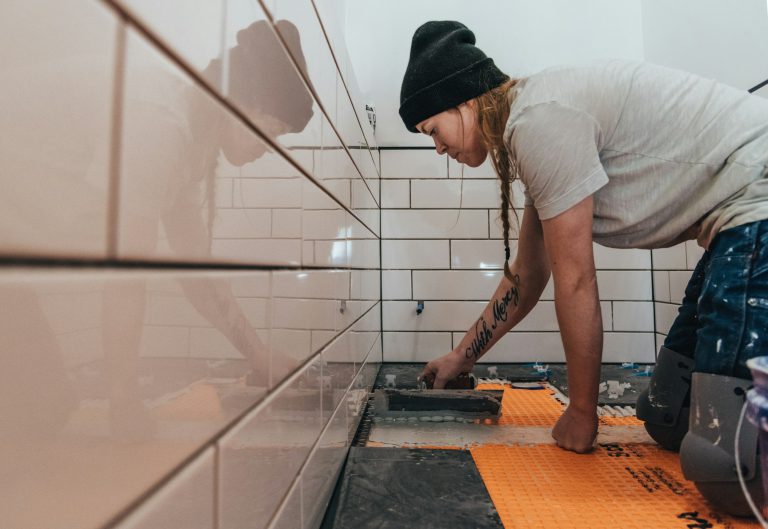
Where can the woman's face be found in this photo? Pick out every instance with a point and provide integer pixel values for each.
(455, 132)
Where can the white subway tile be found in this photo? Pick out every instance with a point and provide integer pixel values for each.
(396, 193)
(56, 123)
(289, 516)
(224, 192)
(413, 163)
(321, 338)
(415, 346)
(164, 342)
(363, 253)
(523, 347)
(286, 223)
(192, 32)
(311, 284)
(330, 253)
(479, 254)
(633, 316)
(365, 284)
(312, 53)
(693, 253)
(626, 285)
(629, 259)
(414, 254)
(672, 258)
(447, 194)
(660, 340)
(318, 478)
(665, 316)
(243, 224)
(459, 170)
(261, 251)
(313, 314)
(260, 458)
(661, 286)
(437, 315)
(208, 343)
(146, 408)
(265, 85)
(677, 283)
(434, 224)
(629, 347)
(324, 224)
(185, 501)
(366, 224)
(363, 197)
(396, 284)
(270, 192)
(455, 284)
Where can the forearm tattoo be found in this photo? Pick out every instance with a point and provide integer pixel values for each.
(483, 329)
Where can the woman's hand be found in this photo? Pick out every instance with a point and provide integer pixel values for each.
(446, 368)
(576, 430)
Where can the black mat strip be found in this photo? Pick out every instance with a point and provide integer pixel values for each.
(398, 488)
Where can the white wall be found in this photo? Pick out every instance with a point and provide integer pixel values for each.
(723, 40)
(522, 36)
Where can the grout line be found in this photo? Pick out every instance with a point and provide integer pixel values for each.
(113, 190)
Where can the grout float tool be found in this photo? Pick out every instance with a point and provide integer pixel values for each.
(461, 403)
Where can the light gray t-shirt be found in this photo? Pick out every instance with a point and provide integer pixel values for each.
(669, 156)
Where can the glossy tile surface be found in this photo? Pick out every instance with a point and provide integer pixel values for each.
(186, 501)
(261, 457)
(197, 185)
(151, 365)
(318, 477)
(55, 117)
(264, 84)
(193, 31)
(118, 376)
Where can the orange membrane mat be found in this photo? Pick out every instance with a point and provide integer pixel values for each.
(627, 486)
(525, 407)
(618, 485)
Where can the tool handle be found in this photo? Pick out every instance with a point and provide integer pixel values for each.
(465, 380)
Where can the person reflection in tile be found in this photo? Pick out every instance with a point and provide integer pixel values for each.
(175, 138)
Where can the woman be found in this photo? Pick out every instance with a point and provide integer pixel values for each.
(628, 155)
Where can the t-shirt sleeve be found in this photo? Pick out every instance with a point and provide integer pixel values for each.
(557, 153)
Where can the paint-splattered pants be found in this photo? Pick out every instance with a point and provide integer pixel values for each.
(723, 319)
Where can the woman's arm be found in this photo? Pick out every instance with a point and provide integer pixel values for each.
(511, 302)
(568, 240)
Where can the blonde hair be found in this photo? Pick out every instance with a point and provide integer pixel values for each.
(492, 111)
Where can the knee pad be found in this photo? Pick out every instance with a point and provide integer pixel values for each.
(664, 405)
(707, 454)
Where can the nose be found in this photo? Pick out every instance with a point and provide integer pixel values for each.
(440, 147)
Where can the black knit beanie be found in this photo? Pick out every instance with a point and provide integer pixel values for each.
(444, 70)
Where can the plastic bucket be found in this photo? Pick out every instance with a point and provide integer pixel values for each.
(757, 413)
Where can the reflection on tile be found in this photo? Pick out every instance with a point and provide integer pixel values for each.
(312, 53)
(108, 390)
(193, 31)
(290, 516)
(169, 207)
(54, 154)
(318, 478)
(264, 83)
(186, 501)
(261, 457)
